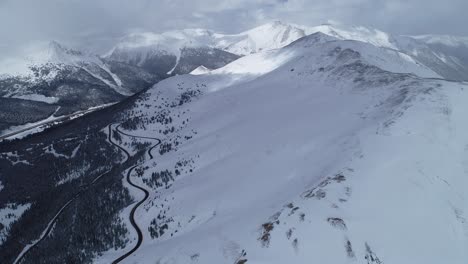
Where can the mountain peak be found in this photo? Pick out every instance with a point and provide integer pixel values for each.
(57, 50)
(40, 53)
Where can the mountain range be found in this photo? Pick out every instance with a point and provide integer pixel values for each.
(280, 144)
(50, 80)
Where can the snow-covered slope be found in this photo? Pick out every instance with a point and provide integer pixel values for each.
(200, 70)
(445, 55)
(266, 37)
(323, 151)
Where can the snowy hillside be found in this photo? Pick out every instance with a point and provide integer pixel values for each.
(200, 70)
(325, 150)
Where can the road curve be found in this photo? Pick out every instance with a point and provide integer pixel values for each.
(150, 149)
(51, 223)
(135, 207)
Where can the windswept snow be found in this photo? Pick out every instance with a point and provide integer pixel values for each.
(369, 35)
(453, 41)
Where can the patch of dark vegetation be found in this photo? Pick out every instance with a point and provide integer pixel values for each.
(159, 226)
(186, 97)
(315, 193)
(371, 257)
(195, 257)
(339, 178)
(159, 179)
(292, 208)
(289, 233)
(164, 148)
(14, 112)
(337, 223)
(267, 228)
(319, 192)
(242, 258)
(265, 238)
(295, 244)
(349, 249)
(301, 217)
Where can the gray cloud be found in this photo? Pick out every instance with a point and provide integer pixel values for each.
(95, 24)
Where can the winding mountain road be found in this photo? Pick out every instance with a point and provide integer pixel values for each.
(51, 223)
(129, 180)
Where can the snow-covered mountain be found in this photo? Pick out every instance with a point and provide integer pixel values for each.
(284, 144)
(49, 78)
(328, 150)
(174, 52)
(447, 63)
(266, 37)
(452, 51)
(162, 52)
(44, 62)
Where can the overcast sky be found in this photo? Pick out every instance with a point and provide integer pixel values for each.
(96, 23)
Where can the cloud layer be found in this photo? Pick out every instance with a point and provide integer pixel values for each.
(94, 24)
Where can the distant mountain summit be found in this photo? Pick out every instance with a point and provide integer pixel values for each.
(173, 52)
(50, 79)
(162, 53)
(270, 36)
